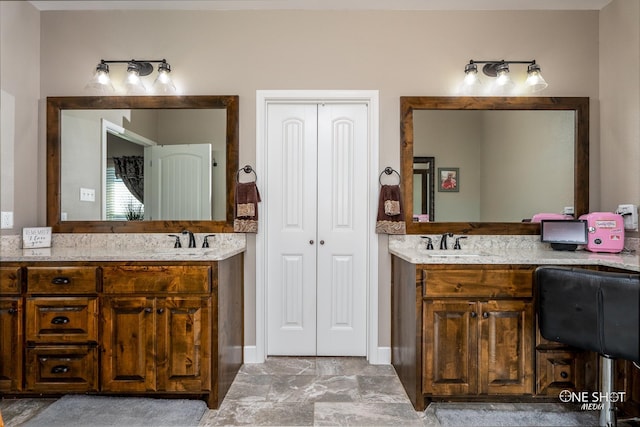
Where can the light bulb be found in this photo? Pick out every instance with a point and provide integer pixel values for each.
(132, 82)
(535, 81)
(163, 83)
(471, 84)
(100, 83)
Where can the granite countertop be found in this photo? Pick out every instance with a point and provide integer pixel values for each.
(531, 253)
(103, 248)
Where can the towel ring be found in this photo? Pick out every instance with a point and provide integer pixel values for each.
(246, 169)
(388, 170)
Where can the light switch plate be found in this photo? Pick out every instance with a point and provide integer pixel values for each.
(87, 195)
(629, 214)
(7, 219)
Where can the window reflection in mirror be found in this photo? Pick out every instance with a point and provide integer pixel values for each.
(186, 181)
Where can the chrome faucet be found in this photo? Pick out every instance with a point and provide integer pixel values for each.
(443, 241)
(192, 239)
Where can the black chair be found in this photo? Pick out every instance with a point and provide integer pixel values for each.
(592, 310)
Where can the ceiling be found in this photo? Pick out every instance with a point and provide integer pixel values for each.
(322, 5)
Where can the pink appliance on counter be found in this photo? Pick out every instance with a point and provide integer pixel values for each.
(540, 216)
(605, 232)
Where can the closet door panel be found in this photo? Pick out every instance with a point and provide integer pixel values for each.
(291, 229)
(342, 233)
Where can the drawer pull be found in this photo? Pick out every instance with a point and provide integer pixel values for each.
(60, 280)
(60, 369)
(564, 375)
(60, 320)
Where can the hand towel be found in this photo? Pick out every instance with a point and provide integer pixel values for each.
(246, 212)
(390, 218)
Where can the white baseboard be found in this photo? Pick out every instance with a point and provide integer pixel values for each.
(383, 356)
(251, 354)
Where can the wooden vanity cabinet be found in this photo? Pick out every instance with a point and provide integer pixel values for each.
(157, 328)
(61, 329)
(477, 331)
(11, 329)
(463, 331)
(172, 328)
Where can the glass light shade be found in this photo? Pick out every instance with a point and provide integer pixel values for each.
(100, 83)
(471, 84)
(503, 84)
(163, 83)
(133, 83)
(535, 82)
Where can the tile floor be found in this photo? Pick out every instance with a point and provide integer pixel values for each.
(323, 391)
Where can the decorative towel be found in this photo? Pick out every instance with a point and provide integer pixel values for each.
(390, 218)
(247, 198)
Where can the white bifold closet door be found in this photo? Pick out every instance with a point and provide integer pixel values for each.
(316, 229)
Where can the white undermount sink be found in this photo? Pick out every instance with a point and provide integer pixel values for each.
(454, 254)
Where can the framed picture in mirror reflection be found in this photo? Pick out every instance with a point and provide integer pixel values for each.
(448, 179)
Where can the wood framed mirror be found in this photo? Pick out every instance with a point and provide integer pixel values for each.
(89, 153)
(576, 109)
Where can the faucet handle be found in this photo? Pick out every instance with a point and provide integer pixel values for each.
(177, 243)
(457, 244)
(429, 242)
(205, 243)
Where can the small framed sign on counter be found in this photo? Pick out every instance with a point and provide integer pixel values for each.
(36, 237)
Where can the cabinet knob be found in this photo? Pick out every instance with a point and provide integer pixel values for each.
(485, 315)
(60, 320)
(474, 314)
(160, 310)
(60, 280)
(13, 310)
(564, 375)
(60, 369)
(148, 310)
(311, 242)
(322, 242)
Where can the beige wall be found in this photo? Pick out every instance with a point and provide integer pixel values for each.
(20, 80)
(238, 52)
(620, 103)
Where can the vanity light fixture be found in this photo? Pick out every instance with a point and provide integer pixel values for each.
(502, 85)
(133, 84)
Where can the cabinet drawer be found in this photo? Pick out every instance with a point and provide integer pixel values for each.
(557, 371)
(485, 283)
(9, 280)
(61, 280)
(58, 320)
(54, 369)
(153, 279)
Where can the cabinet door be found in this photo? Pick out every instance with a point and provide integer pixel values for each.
(10, 344)
(128, 343)
(506, 347)
(183, 343)
(450, 348)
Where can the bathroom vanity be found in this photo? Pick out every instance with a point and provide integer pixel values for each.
(464, 326)
(154, 323)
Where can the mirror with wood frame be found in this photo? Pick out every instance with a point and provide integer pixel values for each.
(67, 119)
(575, 168)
